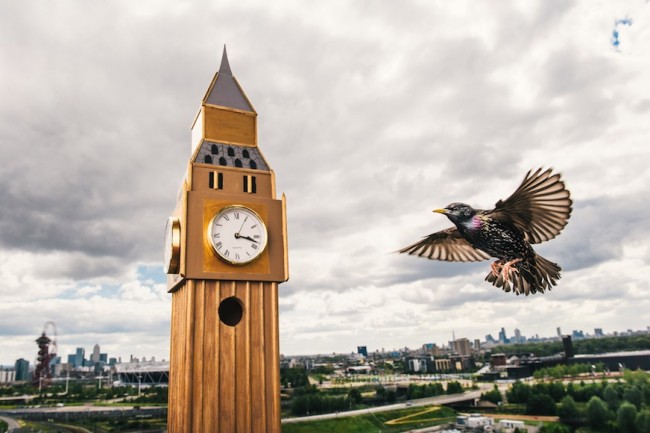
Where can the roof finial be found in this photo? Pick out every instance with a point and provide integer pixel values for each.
(225, 66)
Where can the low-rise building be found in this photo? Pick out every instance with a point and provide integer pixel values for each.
(7, 375)
(508, 425)
(474, 421)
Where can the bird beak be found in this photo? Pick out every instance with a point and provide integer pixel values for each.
(442, 211)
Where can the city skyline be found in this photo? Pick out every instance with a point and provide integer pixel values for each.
(371, 114)
(597, 332)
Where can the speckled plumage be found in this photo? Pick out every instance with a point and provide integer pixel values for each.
(537, 211)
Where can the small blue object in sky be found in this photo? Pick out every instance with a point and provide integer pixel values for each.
(619, 22)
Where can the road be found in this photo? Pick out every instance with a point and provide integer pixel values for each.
(10, 422)
(439, 400)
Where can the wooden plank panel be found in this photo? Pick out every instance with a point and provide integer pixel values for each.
(230, 126)
(211, 348)
(188, 337)
(227, 368)
(179, 368)
(242, 370)
(197, 357)
(272, 354)
(173, 359)
(258, 384)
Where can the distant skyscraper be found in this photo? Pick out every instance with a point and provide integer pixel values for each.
(80, 357)
(568, 346)
(95, 356)
(477, 344)
(22, 370)
(461, 346)
(362, 350)
(559, 332)
(502, 336)
(599, 332)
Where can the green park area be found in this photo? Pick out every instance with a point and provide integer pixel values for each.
(389, 422)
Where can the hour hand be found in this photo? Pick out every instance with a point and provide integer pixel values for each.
(247, 238)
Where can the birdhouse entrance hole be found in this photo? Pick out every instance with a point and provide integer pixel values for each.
(231, 311)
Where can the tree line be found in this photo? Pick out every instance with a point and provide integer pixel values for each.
(583, 346)
(310, 400)
(606, 406)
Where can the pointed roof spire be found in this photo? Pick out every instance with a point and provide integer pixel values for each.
(224, 69)
(225, 91)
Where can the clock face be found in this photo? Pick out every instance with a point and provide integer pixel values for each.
(237, 234)
(172, 254)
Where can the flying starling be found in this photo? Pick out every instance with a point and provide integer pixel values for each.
(536, 212)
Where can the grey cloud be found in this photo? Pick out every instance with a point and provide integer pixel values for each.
(598, 230)
(369, 113)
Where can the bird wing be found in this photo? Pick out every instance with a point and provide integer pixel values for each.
(540, 207)
(447, 245)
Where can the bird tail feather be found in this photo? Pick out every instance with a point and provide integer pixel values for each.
(528, 276)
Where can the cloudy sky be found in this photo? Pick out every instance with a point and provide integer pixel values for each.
(372, 113)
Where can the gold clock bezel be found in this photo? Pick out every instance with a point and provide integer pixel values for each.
(173, 245)
(228, 208)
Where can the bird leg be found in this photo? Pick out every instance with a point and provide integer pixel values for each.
(496, 267)
(505, 270)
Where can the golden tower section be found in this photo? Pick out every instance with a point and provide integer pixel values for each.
(227, 168)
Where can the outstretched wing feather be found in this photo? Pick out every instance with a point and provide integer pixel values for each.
(446, 245)
(540, 207)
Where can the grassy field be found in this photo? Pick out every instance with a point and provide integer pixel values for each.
(387, 422)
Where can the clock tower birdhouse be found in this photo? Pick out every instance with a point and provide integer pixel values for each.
(225, 254)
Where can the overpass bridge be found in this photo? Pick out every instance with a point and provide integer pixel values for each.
(467, 397)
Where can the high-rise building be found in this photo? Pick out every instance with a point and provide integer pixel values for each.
(22, 370)
(461, 346)
(568, 346)
(518, 338)
(477, 345)
(363, 351)
(502, 336)
(79, 357)
(598, 332)
(95, 356)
